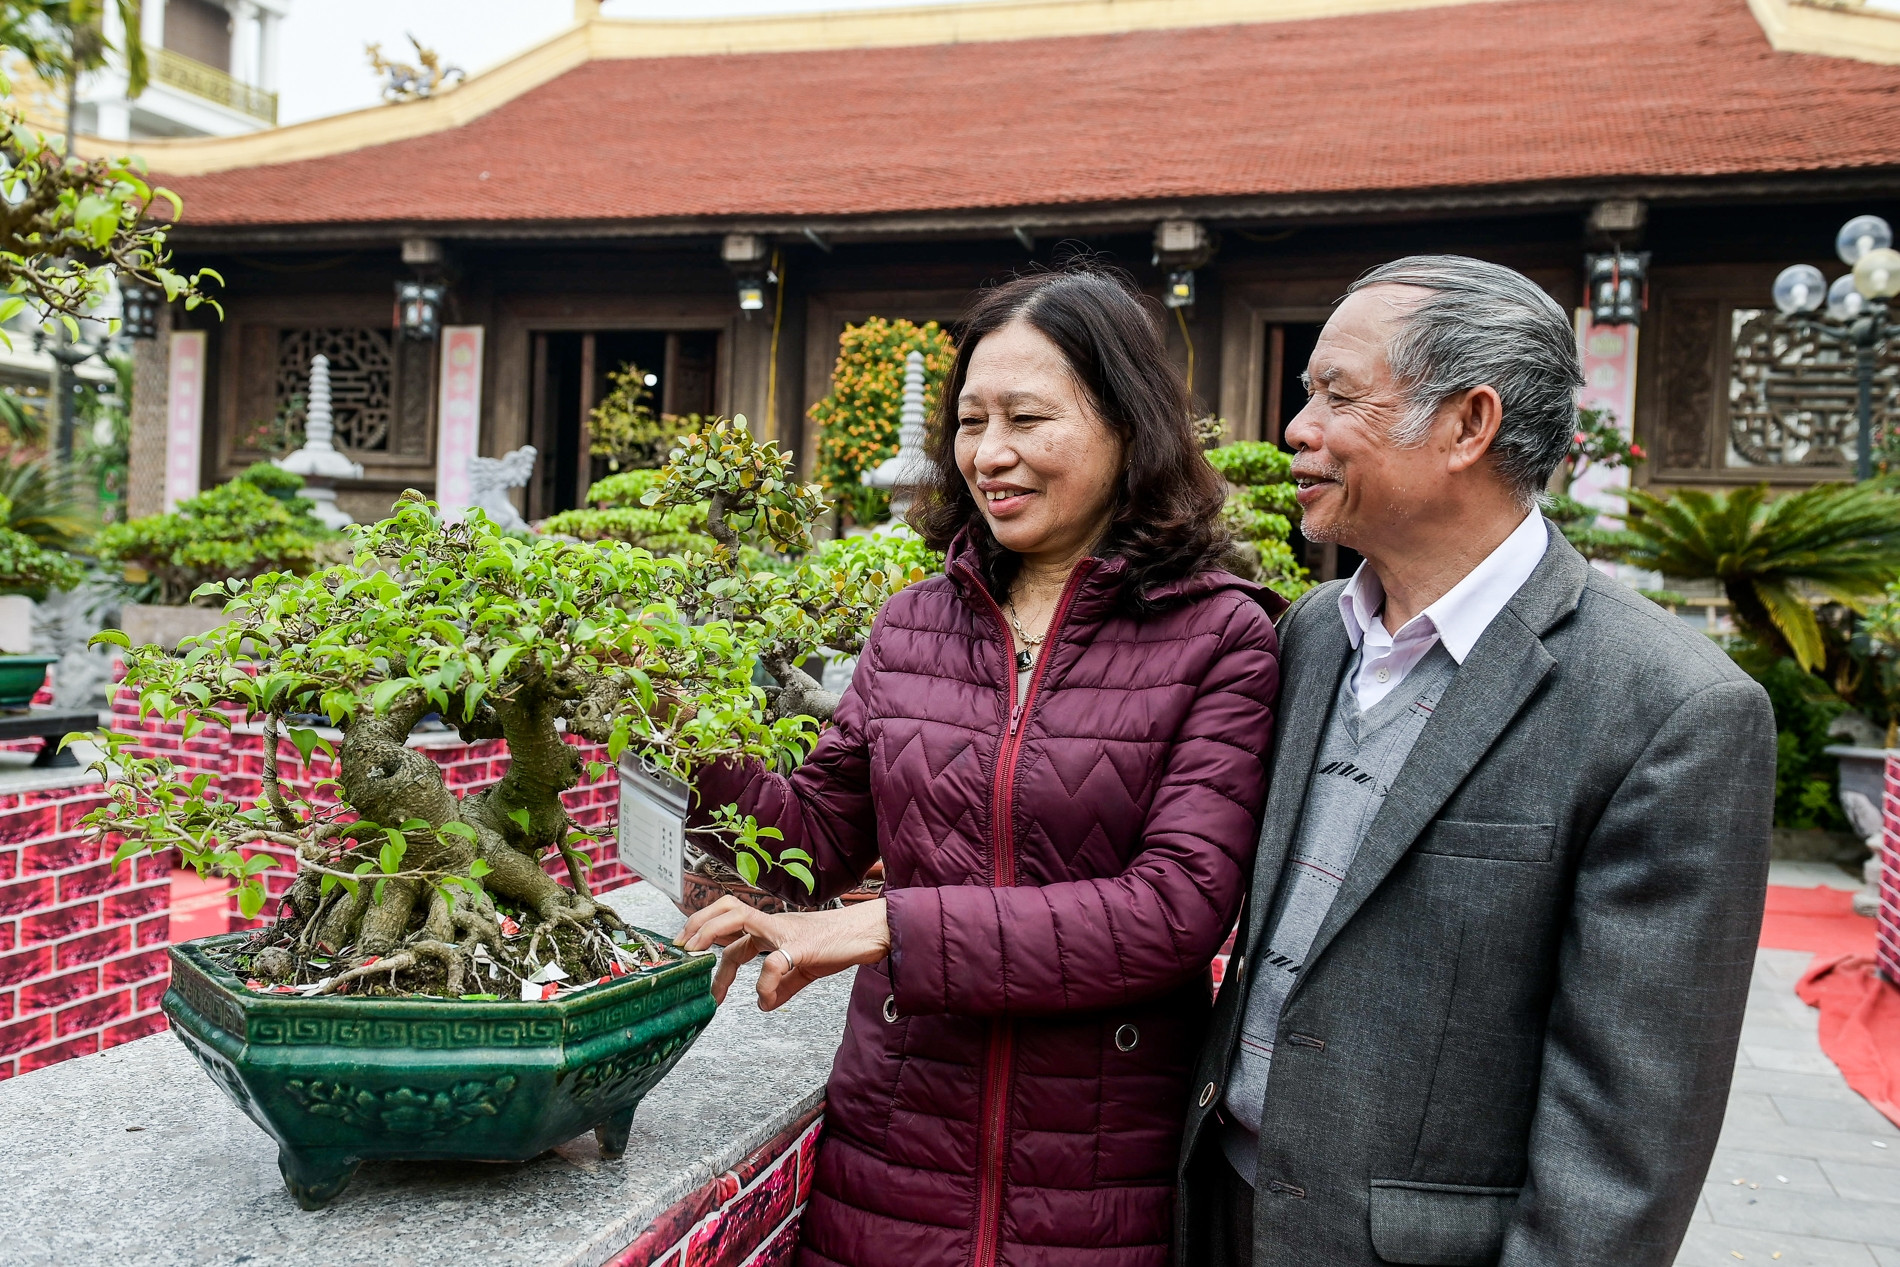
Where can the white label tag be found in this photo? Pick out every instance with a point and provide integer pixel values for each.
(653, 829)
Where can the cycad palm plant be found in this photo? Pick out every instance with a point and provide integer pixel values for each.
(43, 503)
(1842, 540)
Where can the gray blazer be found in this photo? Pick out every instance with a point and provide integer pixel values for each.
(1513, 1039)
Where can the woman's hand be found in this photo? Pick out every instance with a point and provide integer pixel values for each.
(798, 949)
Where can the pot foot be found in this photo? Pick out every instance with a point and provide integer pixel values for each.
(611, 1134)
(315, 1179)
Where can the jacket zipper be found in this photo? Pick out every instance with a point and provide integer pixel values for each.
(994, 1126)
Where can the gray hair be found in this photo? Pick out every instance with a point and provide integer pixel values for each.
(1486, 325)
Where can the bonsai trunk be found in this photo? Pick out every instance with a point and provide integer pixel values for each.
(403, 922)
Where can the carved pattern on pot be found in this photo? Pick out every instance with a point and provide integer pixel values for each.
(403, 1110)
(396, 1032)
(606, 1075)
(629, 1010)
(206, 999)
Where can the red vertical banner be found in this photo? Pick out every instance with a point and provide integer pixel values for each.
(184, 415)
(459, 415)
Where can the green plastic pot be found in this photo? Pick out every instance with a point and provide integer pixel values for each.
(21, 677)
(339, 1081)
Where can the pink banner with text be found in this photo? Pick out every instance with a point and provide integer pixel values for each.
(1609, 382)
(459, 415)
(184, 415)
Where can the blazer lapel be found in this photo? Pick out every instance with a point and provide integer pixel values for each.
(1504, 670)
(1315, 652)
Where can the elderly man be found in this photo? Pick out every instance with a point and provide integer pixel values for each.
(1486, 993)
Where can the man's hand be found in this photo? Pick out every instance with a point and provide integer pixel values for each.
(798, 949)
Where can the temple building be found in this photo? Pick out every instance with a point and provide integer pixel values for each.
(714, 200)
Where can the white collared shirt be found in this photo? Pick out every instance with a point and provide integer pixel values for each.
(1457, 619)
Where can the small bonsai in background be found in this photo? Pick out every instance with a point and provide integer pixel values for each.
(617, 512)
(1260, 510)
(857, 421)
(405, 887)
(626, 431)
(242, 529)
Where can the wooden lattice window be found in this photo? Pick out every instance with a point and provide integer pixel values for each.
(1794, 399)
(362, 376)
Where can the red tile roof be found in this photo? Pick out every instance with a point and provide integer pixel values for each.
(1480, 95)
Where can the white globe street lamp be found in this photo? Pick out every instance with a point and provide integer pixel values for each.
(1856, 303)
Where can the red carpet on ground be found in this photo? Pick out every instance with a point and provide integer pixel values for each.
(1818, 920)
(1860, 1013)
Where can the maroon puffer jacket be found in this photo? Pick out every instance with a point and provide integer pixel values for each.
(1013, 1078)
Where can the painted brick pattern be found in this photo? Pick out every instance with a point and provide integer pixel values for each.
(747, 1217)
(82, 944)
(1887, 929)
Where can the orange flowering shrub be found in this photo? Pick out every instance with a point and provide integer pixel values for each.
(857, 422)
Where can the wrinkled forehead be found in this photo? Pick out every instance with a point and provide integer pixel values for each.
(1351, 350)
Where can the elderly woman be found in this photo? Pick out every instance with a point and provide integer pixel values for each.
(1057, 749)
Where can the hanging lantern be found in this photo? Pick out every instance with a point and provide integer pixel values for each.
(138, 309)
(1180, 292)
(1617, 287)
(419, 309)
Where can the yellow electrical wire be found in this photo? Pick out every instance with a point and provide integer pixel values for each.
(771, 364)
(1188, 339)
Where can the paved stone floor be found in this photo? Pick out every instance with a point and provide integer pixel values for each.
(1807, 1173)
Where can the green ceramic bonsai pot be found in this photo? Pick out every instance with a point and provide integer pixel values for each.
(337, 1081)
(21, 677)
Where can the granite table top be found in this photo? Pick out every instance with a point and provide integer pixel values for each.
(134, 1156)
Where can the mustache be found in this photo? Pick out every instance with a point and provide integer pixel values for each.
(1319, 469)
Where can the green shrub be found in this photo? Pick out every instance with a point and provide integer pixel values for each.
(29, 568)
(1807, 780)
(1260, 512)
(857, 421)
(242, 529)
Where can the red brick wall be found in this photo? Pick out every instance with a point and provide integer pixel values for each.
(747, 1217)
(1887, 934)
(82, 946)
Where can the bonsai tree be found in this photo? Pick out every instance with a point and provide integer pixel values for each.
(857, 421)
(404, 886)
(1260, 503)
(245, 528)
(70, 226)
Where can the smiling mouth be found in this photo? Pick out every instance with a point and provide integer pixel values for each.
(1006, 498)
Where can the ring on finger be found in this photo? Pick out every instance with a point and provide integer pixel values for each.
(789, 965)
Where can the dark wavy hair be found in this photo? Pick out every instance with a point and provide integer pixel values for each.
(1166, 521)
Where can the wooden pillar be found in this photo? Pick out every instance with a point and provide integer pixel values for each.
(145, 473)
(583, 433)
(1273, 424)
(540, 433)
